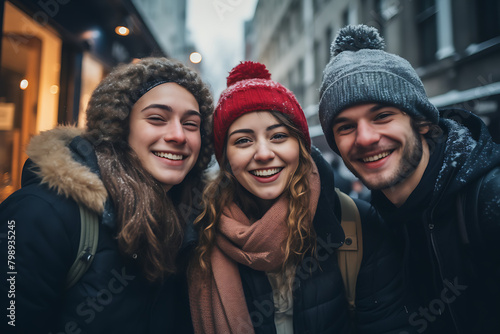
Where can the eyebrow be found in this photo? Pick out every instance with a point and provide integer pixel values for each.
(269, 128)
(169, 109)
(372, 109)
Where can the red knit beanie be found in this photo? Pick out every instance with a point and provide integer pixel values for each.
(250, 88)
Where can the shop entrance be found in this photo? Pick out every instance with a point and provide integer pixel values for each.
(29, 90)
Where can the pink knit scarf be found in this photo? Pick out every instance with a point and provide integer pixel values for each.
(217, 301)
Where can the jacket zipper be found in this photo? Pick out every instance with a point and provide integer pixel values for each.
(434, 248)
(452, 313)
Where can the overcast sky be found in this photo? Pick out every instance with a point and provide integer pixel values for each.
(216, 28)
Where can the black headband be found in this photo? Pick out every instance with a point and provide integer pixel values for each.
(146, 87)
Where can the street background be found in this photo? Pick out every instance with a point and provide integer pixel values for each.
(55, 52)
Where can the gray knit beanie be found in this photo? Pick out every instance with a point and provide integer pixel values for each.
(360, 72)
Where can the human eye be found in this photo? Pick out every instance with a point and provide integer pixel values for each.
(280, 136)
(155, 119)
(344, 128)
(242, 141)
(383, 116)
(192, 124)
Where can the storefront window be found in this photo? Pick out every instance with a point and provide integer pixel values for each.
(92, 73)
(29, 90)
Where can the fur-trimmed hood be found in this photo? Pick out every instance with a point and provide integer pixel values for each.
(59, 170)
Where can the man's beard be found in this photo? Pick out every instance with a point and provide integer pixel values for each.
(411, 157)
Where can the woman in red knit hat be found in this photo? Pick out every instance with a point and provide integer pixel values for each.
(267, 261)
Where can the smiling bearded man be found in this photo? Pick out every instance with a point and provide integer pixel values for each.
(435, 179)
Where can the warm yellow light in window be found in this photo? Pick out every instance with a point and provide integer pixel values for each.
(54, 89)
(195, 57)
(24, 84)
(122, 31)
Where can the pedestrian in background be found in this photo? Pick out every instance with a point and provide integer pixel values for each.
(140, 158)
(434, 176)
(269, 233)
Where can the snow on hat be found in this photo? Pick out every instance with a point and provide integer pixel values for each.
(250, 88)
(360, 72)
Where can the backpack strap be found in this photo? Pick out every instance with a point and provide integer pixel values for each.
(89, 236)
(350, 253)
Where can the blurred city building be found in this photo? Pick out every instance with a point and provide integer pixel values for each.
(55, 52)
(167, 21)
(454, 46)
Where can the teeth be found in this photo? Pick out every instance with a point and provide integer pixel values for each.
(168, 155)
(376, 157)
(265, 172)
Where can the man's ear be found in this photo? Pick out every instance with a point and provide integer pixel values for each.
(423, 129)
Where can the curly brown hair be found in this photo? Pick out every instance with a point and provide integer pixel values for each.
(150, 223)
(224, 189)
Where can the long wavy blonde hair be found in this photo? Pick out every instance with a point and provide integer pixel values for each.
(225, 189)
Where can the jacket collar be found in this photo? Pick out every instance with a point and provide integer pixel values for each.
(65, 171)
(469, 151)
(327, 220)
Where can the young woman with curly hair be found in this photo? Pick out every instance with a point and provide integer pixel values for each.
(138, 166)
(256, 262)
(266, 261)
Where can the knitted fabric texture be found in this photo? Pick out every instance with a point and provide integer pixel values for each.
(361, 72)
(250, 88)
(217, 300)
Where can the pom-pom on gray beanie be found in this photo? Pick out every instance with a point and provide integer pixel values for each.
(360, 72)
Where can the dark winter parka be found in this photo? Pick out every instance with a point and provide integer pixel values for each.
(112, 296)
(454, 267)
(319, 303)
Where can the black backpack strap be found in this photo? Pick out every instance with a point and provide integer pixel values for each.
(89, 236)
(480, 265)
(473, 251)
(467, 211)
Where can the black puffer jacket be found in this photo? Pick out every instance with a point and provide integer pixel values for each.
(455, 271)
(111, 297)
(319, 304)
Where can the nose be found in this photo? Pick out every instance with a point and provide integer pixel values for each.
(264, 152)
(366, 134)
(174, 132)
